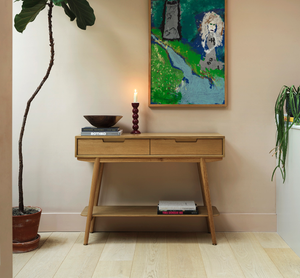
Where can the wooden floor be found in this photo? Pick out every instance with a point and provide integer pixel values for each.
(161, 255)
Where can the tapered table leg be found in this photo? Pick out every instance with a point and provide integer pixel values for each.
(204, 181)
(97, 195)
(203, 196)
(91, 201)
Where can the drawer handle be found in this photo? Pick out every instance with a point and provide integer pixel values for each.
(186, 140)
(113, 140)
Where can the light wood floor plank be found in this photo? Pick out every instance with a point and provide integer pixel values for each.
(286, 261)
(82, 259)
(119, 247)
(21, 259)
(45, 262)
(158, 255)
(115, 269)
(184, 256)
(150, 258)
(219, 260)
(252, 258)
(270, 240)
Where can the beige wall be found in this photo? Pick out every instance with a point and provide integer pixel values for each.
(96, 72)
(5, 139)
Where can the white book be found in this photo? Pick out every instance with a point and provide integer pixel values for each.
(176, 205)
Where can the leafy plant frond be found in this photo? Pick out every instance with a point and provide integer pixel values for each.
(68, 12)
(30, 10)
(83, 11)
(290, 96)
(79, 9)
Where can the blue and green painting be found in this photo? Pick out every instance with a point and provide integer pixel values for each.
(187, 52)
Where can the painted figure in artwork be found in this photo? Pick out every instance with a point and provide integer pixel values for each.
(211, 32)
(171, 26)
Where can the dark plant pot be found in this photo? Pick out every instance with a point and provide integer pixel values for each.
(25, 231)
(288, 109)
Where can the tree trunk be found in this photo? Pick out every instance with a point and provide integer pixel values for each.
(20, 179)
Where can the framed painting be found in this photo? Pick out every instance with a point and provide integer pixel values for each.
(187, 53)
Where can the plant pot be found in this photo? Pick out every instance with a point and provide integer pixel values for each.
(288, 109)
(25, 231)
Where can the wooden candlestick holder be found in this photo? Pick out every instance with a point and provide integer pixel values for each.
(135, 116)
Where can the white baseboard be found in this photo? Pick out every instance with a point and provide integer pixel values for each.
(226, 222)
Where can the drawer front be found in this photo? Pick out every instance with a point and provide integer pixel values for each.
(201, 146)
(112, 147)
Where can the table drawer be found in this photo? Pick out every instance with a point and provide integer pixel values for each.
(194, 146)
(112, 146)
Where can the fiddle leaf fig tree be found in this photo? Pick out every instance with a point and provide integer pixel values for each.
(74, 9)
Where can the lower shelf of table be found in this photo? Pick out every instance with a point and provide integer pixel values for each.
(140, 211)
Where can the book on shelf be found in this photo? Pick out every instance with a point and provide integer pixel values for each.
(99, 129)
(177, 212)
(177, 206)
(102, 133)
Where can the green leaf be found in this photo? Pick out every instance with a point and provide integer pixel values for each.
(32, 3)
(83, 12)
(68, 12)
(30, 10)
(58, 2)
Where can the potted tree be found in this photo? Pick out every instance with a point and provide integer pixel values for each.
(26, 219)
(287, 113)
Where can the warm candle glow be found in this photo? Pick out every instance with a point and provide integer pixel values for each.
(135, 96)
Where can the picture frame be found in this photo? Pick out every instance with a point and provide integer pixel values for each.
(188, 57)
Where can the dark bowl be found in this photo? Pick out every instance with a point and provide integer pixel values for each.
(103, 120)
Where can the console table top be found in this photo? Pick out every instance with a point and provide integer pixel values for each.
(160, 135)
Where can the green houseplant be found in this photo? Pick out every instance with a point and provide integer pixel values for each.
(28, 217)
(287, 105)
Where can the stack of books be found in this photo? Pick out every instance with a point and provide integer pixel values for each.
(177, 207)
(101, 131)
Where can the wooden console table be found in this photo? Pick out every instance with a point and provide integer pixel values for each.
(200, 148)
